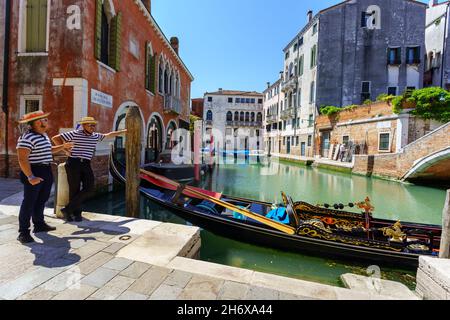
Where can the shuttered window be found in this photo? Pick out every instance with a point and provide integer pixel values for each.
(108, 37)
(150, 69)
(36, 22)
(313, 57)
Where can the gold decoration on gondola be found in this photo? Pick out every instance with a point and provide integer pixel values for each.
(306, 208)
(395, 232)
(341, 224)
(366, 205)
(311, 231)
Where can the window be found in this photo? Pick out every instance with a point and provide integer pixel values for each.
(313, 56)
(286, 56)
(236, 116)
(365, 91)
(229, 116)
(364, 17)
(150, 68)
(392, 91)
(315, 29)
(413, 55)
(301, 65)
(284, 141)
(210, 99)
(30, 104)
(161, 77)
(259, 117)
(230, 100)
(238, 100)
(311, 120)
(394, 56)
(242, 117)
(298, 141)
(252, 101)
(309, 140)
(312, 92)
(300, 42)
(260, 101)
(345, 140)
(384, 142)
(108, 33)
(209, 115)
(410, 89)
(33, 25)
(295, 47)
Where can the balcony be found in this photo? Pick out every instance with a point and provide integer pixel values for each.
(271, 118)
(290, 84)
(172, 104)
(245, 124)
(288, 113)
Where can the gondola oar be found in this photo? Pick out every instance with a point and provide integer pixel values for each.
(274, 224)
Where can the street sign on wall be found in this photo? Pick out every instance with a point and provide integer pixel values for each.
(101, 98)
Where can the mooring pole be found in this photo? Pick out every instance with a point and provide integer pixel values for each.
(133, 161)
(197, 148)
(444, 252)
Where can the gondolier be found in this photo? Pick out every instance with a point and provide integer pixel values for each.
(34, 151)
(78, 165)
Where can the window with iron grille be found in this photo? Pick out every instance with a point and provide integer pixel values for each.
(384, 142)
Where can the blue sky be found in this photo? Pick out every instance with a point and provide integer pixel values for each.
(233, 44)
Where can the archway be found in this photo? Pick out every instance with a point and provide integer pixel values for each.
(155, 134)
(170, 129)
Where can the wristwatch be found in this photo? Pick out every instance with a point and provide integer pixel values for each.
(31, 177)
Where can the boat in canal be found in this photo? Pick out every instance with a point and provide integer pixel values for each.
(326, 230)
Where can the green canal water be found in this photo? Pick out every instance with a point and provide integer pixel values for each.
(392, 200)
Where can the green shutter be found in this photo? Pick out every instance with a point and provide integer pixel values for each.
(98, 29)
(153, 74)
(147, 66)
(36, 16)
(301, 65)
(115, 41)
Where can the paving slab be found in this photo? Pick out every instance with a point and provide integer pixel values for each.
(63, 281)
(129, 295)
(77, 292)
(259, 293)
(178, 279)
(150, 280)
(211, 269)
(377, 286)
(99, 277)
(94, 262)
(113, 289)
(27, 282)
(114, 248)
(39, 294)
(165, 292)
(135, 270)
(201, 288)
(162, 244)
(118, 264)
(233, 291)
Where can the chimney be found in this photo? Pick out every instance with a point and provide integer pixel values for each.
(220, 90)
(148, 4)
(433, 3)
(268, 85)
(310, 15)
(175, 43)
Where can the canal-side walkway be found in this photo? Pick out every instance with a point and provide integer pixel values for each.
(111, 257)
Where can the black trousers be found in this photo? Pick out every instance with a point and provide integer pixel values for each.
(79, 173)
(35, 197)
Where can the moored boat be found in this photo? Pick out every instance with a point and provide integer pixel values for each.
(298, 226)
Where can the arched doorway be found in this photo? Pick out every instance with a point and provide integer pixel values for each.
(154, 139)
(170, 129)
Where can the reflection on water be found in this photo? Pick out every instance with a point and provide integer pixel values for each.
(392, 200)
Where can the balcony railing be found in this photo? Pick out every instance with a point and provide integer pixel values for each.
(172, 104)
(289, 84)
(288, 113)
(271, 118)
(244, 123)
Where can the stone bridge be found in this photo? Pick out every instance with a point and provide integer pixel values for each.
(426, 159)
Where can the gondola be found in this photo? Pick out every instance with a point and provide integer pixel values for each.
(315, 230)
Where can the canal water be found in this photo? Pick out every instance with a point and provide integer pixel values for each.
(392, 200)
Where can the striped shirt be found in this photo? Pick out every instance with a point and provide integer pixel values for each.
(39, 145)
(84, 144)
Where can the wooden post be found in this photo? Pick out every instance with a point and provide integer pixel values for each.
(445, 238)
(133, 161)
(197, 148)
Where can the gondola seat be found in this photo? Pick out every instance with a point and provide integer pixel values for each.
(155, 193)
(258, 208)
(208, 206)
(279, 214)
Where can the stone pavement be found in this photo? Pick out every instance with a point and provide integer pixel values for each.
(9, 187)
(111, 257)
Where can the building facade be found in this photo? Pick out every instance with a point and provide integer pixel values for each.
(238, 118)
(437, 45)
(198, 107)
(273, 104)
(81, 57)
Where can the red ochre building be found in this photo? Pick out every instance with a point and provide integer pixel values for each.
(97, 58)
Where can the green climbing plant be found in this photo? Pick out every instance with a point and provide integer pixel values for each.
(430, 103)
(329, 110)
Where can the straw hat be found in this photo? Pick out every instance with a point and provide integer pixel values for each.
(33, 116)
(88, 120)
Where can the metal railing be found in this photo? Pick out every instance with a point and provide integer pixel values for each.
(289, 84)
(244, 123)
(288, 113)
(172, 104)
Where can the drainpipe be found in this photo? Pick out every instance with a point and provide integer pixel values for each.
(444, 49)
(6, 80)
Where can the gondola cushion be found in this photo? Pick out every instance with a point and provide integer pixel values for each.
(208, 206)
(279, 214)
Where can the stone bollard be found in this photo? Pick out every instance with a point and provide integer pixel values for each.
(62, 191)
(445, 238)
